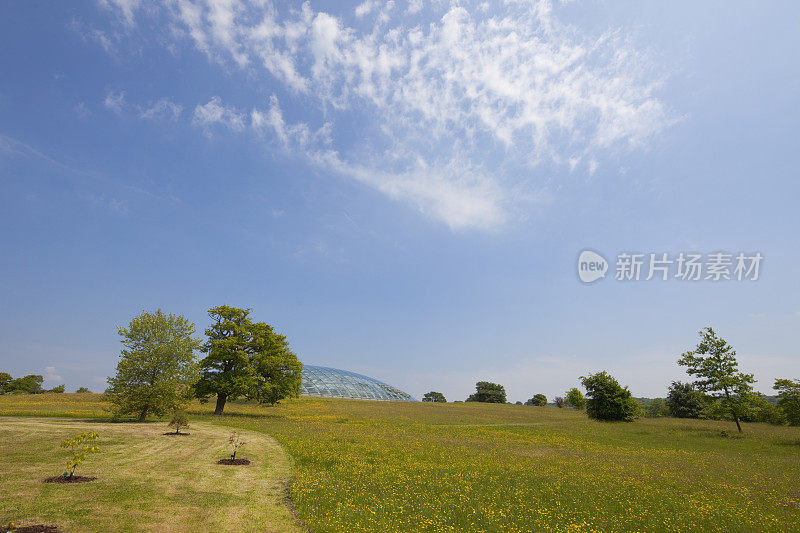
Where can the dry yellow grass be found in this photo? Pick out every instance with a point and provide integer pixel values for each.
(146, 481)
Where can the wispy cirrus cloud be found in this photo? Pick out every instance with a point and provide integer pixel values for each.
(163, 108)
(115, 101)
(215, 112)
(453, 105)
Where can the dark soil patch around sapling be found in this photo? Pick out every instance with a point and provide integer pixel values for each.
(67, 479)
(237, 462)
(37, 528)
(173, 434)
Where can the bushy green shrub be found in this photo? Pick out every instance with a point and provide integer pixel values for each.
(789, 399)
(608, 400)
(685, 401)
(539, 400)
(575, 399)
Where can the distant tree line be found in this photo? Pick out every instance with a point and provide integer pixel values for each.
(30, 384)
(720, 392)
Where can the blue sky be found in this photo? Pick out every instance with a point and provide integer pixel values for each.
(402, 188)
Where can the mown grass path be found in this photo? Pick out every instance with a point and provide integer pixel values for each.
(146, 481)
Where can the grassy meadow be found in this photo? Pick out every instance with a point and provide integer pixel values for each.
(386, 466)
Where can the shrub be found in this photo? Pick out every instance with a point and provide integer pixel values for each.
(59, 389)
(82, 390)
(539, 400)
(575, 399)
(684, 401)
(559, 401)
(81, 449)
(789, 399)
(608, 400)
(433, 396)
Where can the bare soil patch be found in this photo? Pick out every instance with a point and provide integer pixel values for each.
(66, 479)
(238, 462)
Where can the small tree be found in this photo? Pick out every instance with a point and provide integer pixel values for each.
(559, 401)
(59, 389)
(684, 401)
(82, 390)
(714, 363)
(434, 396)
(179, 420)
(789, 399)
(157, 366)
(81, 449)
(608, 400)
(236, 442)
(539, 400)
(575, 399)
(487, 392)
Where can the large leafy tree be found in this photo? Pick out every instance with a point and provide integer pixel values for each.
(488, 392)
(157, 366)
(246, 358)
(608, 400)
(789, 399)
(714, 364)
(684, 401)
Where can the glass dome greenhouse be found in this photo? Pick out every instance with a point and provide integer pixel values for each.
(335, 383)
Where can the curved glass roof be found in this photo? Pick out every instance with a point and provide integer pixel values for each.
(335, 383)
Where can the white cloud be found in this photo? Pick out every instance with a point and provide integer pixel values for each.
(214, 112)
(414, 6)
(125, 8)
(451, 108)
(51, 374)
(162, 109)
(115, 101)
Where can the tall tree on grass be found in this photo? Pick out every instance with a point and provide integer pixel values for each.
(714, 363)
(246, 359)
(157, 366)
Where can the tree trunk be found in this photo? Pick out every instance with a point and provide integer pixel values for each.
(221, 398)
(733, 410)
(143, 415)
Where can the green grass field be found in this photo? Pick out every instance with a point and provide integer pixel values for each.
(384, 466)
